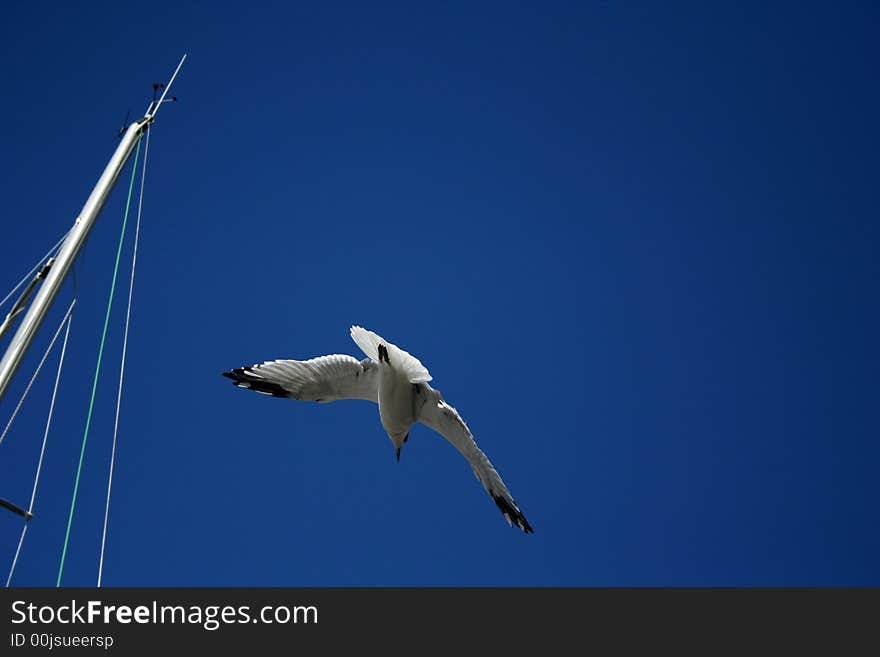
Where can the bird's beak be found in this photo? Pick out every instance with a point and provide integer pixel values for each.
(398, 454)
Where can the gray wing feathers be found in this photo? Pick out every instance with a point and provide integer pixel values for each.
(435, 413)
(322, 379)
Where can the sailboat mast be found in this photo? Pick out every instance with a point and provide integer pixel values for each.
(70, 249)
(72, 245)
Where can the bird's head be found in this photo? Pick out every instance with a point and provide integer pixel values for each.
(397, 439)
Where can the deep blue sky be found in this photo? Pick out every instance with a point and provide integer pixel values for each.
(635, 244)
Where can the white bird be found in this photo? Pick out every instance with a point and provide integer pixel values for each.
(394, 379)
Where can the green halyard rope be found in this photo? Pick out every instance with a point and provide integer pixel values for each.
(82, 451)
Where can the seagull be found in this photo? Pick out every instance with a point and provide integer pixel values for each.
(392, 378)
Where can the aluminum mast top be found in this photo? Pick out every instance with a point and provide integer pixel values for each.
(72, 245)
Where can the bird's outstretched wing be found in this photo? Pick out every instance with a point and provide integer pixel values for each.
(373, 345)
(433, 411)
(322, 379)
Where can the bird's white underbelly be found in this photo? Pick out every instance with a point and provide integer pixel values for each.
(395, 400)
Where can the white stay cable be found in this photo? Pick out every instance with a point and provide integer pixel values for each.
(69, 319)
(39, 264)
(137, 231)
(36, 372)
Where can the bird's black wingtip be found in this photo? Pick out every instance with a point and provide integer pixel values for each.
(513, 514)
(243, 377)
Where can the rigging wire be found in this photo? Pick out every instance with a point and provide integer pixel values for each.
(36, 372)
(137, 231)
(35, 268)
(98, 368)
(69, 319)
